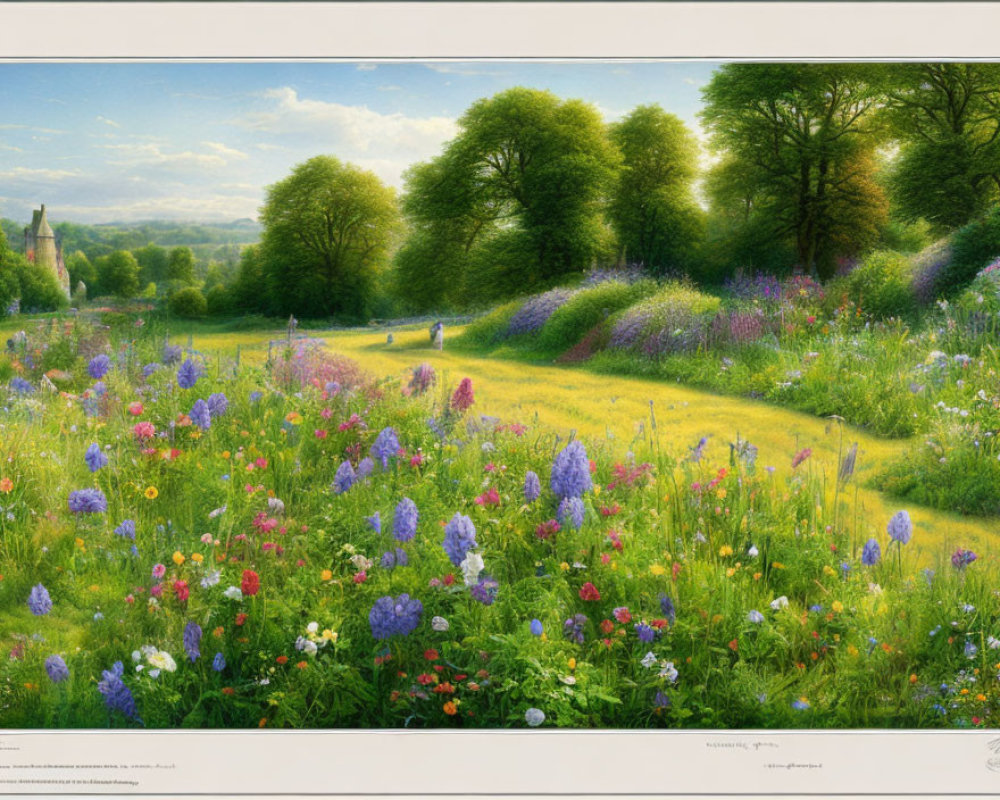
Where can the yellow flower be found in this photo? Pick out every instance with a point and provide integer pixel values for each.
(197, 558)
(721, 494)
(326, 575)
(79, 542)
(730, 572)
(564, 566)
(151, 493)
(852, 650)
(717, 618)
(294, 417)
(725, 550)
(778, 565)
(178, 558)
(656, 569)
(829, 571)
(981, 698)
(225, 454)
(597, 490)
(95, 588)
(572, 663)
(330, 635)
(837, 607)
(757, 576)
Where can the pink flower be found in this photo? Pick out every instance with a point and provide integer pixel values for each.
(261, 463)
(490, 498)
(360, 577)
(159, 571)
(320, 433)
(589, 592)
(326, 413)
(463, 397)
(801, 456)
(135, 409)
(623, 615)
(144, 430)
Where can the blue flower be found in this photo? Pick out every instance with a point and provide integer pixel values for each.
(395, 617)
(149, 369)
(117, 695)
(56, 668)
(21, 386)
(345, 478)
(755, 617)
(99, 366)
(201, 415)
(871, 553)
(404, 521)
(188, 374)
(970, 650)
(801, 704)
(532, 487)
(571, 472)
(900, 528)
(219, 662)
(459, 538)
(645, 632)
(573, 628)
(667, 607)
(217, 404)
(39, 601)
(661, 700)
(375, 521)
(172, 354)
(88, 501)
(365, 468)
(192, 640)
(485, 591)
(255, 396)
(95, 458)
(571, 512)
(386, 446)
(394, 558)
(536, 627)
(126, 530)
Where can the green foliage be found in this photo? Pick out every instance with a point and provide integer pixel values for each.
(490, 329)
(188, 303)
(38, 288)
(80, 269)
(907, 237)
(180, 266)
(153, 264)
(219, 301)
(653, 208)
(327, 232)
(972, 248)
(118, 275)
(880, 285)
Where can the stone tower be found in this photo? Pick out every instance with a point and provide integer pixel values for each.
(41, 248)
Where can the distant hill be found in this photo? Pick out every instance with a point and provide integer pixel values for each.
(99, 240)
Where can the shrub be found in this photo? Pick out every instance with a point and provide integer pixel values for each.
(218, 300)
(973, 247)
(585, 309)
(675, 319)
(536, 311)
(490, 329)
(926, 268)
(880, 285)
(188, 303)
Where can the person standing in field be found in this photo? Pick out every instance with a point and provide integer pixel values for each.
(437, 335)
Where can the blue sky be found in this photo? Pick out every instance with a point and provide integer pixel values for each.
(103, 142)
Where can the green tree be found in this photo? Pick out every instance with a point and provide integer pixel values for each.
(180, 266)
(9, 287)
(247, 294)
(119, 275)
(653, 209)
(947, 119)
(796, 142)
(80, 269)
(153, 261)
(327, 231)
(514, 202)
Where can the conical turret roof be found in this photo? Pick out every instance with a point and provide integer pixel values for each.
(44, 229)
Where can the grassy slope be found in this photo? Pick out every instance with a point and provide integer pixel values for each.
(566, 398)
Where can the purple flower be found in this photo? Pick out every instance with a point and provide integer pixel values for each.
(188, 374)
(571, 512)
(375, 521)
(573, 628)
(536, 311)
(459, 538)
(485, 591)
(395, 617)
(95, 458)
(571, 471)
(217, 404)
(21, 386)
(801, 704)
(422, 380)
(192, 639)
(365, 468)
(200, 414)
(532, 487)
(667, 607)
(99, 389)
(149, 369)
(88, 501)
(698, 451)
(536, 627)
(871, 553)
(345, 478)
(646, 633)
(961, 558)
(661, 700)
(57, 669)
(254, 397)
(39, 601)
(117, 695)
(99, 366)
(172, 354)
(394, 558)
(900, 528)
(219, 662)
(126, 530)
(386, 446)
(404, 521)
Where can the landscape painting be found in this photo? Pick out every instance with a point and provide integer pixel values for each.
(498, 394)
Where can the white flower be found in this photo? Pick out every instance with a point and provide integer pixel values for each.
(214, 513)
(309, 648)
(211, 579)
(233, 593)
(534, 717)
(312, 627)
(669, 672)
(649, 660)
(361, 563)
(753, 552)
(471, 567)
(136, 655)
(153, 673)
(162, 660)
(993, 643)
(780, 602)
(439, 624)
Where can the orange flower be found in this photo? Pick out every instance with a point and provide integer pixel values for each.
(450, 708)
(228, 690)
(302, 664)
(326, 575)
(6, 484)
(282, 659)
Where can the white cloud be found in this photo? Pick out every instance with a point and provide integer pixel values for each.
(389, 88)
(207, 208)
(268, 147)
(366, 67)
(226, 151)
(107, 121)
(10, 148)
(452, 69)
(30, 174)
(12, 126)
(694, 81)
(153, 155)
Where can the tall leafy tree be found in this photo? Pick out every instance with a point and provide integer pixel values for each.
(153, 264)
(119, 274)
(515, 201)
(180, 266)
(653, 208)
(796, 141)
(328, 228)
(947, 119)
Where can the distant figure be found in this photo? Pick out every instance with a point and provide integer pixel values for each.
(388, 339)
(437, 335)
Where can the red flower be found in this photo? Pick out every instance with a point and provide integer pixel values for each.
(360, 577)
(623, 615)
(181, 590)
(431, 655)
(675, 570)
(241, 618)
(734, 645)
(425, 679)
(607, 626)
(610, 511)
(282, 659)
(659, 624)
(228, 690)
(449, 579)
(250, 584)
(320, 433)
(589, 592)
(547, 529)
(490, 498)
